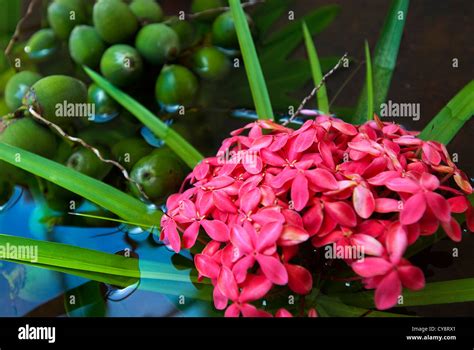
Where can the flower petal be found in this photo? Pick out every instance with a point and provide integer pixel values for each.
(411, 277)
(388, 291)
(227, 284)
(342, 213)
(268, 235)
(452, 229)
(413, 209)
(322, 178)
(273, 269)
(190, 235)
(207, 266)
(439, 205)
(299, 279)
(370, 267)
(241, 239)
(299, 192)
(255, 287)
(216, 229)
(363, 200)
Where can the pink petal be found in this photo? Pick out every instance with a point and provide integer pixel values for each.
(220, 300)
(411, 277)
(383, 178)
(371, 245)
(172, 235)
(201, 170)
(363, 200)
(299, 192)
(396, 242)
(403, 185)
(345, 128)
(190, 235)
(232, 311)
(386, 205)
(250, 200)
(254, 166)
(241, 239)
(431, 154)
(312, 312)
(216, 229)
(333, 237)
(388, 291)
(313, 218)
(223, 202)
(207, 266)
(452, 229)
(248, 310)
(261, 142)
(413, 209)
(273, 269)
(439, 205)
(271, 158)
(282, 178)
(370, 267)
(266, 215)
(458, 204)
(220, 182)
(241, 268)
(227, 284)
(255, 287)
(268, 235)
(342, 213)
(322, 178)
(292, 235)
(429, 181)
(283, 313)
(304, 140)
(299, 279)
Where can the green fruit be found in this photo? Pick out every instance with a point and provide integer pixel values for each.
(158, 43)
(105, 106)
(28, 135)
(86, 46)
(147, 11)
(129, 151)
(43, 44)
(86, 162)
(186, 31)
(17, 86)
(50, 95)
(211, 64)
(160, 174)
(6, 191)
(205, 5)
(64, 15)
(114, 21)
(121, 64)
(223, 31)
(176, 85)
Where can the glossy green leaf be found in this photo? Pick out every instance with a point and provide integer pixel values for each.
(334, 308)
(322, 97)
(173, 139)
(446, 124)
(258, 86)
(455, 291)
(369, 83)
(106, 196)
(384, 58)
(267, 13)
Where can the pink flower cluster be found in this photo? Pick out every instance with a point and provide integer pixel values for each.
(376, 187)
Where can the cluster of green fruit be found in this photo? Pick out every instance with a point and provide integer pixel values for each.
(124, 40)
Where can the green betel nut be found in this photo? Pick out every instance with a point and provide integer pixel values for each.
(176, 85)
(186, 31)
(159, 174)
(223, 31)
(105, 106)
(86, 46)
(206, 5)
(129, 151)
(114, 21)
(147, 11)
(122, 65)
(86, 162)
(64, 15)
(28, 135)
(157, 43)
(17, 87)
(58, 98)
(42, 45)
(211, 64)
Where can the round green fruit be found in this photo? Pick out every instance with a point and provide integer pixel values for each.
(186, 31)
(86, 162)
(105, 106)
(42, 45)
(55, 95)
(114, 21)
(176, 85)
(17, 87)
(28, 135)
(122, 65)
(147, 11)
(64, 15)
(211, 64)
(159, 174)
(158, 43)
(129, 151)
(206, 5)
(223, 31)
(86, 46)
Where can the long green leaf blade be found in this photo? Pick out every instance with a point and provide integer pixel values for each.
(174, 140)
(385, 57)
(108, 197)
(455, 291)
(369, 83)
(446, 124)
(255, 76)
(322, 97)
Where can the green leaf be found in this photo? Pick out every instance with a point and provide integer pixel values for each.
(266, 14)
(322, 97)
(88, 301)
(108, 197)
(446, 124)
(255, 76)
(333, 307)
(174, 140)
(385, 57)
(455, 291)
(369, 83)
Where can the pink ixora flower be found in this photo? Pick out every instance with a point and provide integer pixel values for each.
(374, 187)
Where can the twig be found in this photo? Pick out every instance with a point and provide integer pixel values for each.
(315, 90)
(94, 150)
(16, 35)
(221, 9)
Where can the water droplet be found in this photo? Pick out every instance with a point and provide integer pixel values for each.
(137, 233)
(347, 284)
(116, 294)
(14, 198)
(170, 108)
(104, 117)
(150, 138)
